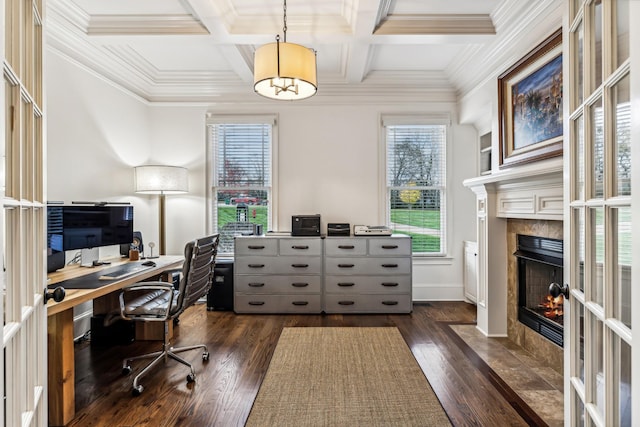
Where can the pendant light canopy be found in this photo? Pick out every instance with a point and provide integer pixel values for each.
(284, 70)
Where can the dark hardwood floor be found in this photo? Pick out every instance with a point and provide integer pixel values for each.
(241, 347)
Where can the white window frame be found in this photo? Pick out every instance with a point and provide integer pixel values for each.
(211, 165)
(418, 120)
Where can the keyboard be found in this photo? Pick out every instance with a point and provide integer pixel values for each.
(120, 272)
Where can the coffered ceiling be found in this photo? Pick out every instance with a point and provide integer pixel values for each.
(202, 50)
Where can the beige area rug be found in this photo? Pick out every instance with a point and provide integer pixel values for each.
(345, 377)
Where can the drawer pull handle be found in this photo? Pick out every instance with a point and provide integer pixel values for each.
(300, 303)
(389, 302)
(255, 247)
(256, 285)
(299, 285)
(299, 265)
(390, 265)
(389, 284)
(346, 247)
(346, 284)
(346, 265)
(256, 265)
(389, 246)
(299, 247)
(346, 302)
(256, 302)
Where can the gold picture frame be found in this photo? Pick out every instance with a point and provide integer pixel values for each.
(530, 105)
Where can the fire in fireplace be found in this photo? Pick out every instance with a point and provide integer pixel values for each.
(540, 262)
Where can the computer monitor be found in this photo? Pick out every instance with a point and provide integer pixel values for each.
(81, 227)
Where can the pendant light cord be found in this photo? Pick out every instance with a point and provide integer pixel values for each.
(284, 29)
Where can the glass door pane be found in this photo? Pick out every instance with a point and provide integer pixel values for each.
(621, 218)
(622, 144)
(597, 148)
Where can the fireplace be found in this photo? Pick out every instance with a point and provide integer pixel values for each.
(540, 262)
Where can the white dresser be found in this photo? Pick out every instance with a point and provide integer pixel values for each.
(278, 275)
(367, 275)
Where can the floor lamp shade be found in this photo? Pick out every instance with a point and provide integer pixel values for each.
(161, 180)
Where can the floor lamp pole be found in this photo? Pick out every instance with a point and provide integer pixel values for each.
(161, 228)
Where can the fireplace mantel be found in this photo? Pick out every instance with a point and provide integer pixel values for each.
(525, 192)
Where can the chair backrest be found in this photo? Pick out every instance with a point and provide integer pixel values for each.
(197, 271)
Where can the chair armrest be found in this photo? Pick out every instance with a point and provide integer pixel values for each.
(147, 300)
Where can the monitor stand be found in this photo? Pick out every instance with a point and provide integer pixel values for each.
(88, 255)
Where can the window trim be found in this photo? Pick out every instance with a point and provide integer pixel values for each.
(216, 119)
(436, 118)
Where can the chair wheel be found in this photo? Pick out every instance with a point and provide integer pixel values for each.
(137, 391)
(191, 378)
(205, 356)
(126, 370)
(176, 321)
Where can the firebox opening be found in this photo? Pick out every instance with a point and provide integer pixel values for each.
(540, 264)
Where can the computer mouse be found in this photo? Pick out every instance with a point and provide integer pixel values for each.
(149, 264)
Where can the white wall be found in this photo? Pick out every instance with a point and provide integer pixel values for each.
(328, 162)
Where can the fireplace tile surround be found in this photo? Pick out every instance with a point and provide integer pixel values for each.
(516, 331)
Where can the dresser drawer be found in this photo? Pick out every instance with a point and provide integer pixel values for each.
(367, 266)
(255, 265)
(367, 284)
(390, 246)
(265, 284)
(299, 265)
(278, 265)
(256, 246)
(301, 246)
(335, 246)
(368, 303)
(277, 303)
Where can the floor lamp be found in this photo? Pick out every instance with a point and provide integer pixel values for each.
(162, 180)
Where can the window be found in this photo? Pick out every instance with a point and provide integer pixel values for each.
(416, 182)
(242, 182)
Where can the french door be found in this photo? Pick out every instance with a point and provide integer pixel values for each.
(22, 217)
(600, 154)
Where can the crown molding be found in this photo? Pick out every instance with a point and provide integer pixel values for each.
(520, 24)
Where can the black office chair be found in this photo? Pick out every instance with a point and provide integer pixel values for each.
(161, 302)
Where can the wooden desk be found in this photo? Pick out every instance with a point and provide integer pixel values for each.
(61, 363)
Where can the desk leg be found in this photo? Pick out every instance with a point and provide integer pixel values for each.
(61, 368)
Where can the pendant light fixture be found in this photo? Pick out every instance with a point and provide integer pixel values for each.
(284, 70)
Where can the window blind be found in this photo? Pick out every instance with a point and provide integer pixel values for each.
(416, 184)
(242, 178)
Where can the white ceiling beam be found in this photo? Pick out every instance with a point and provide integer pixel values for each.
(144, 25)
(424, 24)
(239, 56)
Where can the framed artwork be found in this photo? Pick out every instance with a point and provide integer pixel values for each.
(530, 105)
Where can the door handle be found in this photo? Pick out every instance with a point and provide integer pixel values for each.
(555, 290)
(57, 294)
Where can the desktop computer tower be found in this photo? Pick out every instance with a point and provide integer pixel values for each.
(220, 296)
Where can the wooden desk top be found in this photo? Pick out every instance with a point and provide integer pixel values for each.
(75, 297)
